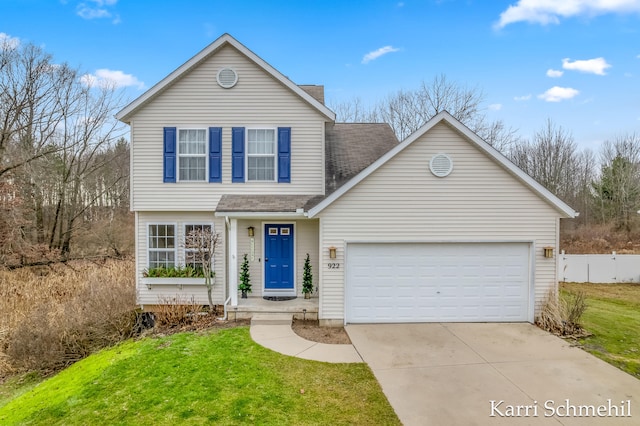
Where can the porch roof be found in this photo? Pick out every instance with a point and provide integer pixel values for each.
(242, 203)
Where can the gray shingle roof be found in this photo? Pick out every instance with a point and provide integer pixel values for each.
(263, 203)
(349, 149)
(316, 91)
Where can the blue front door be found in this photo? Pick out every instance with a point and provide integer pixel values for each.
(278, 257)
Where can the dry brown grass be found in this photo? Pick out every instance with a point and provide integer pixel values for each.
(624, 291)
(52, 317)
(598, 239)
(177, 311)
(561, 315)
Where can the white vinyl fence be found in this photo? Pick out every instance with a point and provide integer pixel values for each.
(599, 268)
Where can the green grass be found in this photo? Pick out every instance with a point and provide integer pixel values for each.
(613, 316)
(17, 385)
(219, 377)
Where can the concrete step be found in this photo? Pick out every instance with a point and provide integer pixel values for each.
(267, 318)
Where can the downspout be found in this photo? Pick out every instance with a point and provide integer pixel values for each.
(226, 302)
(227, 223)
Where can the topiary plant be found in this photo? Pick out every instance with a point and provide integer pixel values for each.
(245, 277)
(307, 278)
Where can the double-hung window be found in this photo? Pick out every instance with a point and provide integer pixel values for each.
(192, 154)
(162, 246)
(197, 240)
(261, 155)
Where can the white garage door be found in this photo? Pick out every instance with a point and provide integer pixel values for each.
(423, 282)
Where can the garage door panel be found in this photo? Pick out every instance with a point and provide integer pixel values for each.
(437, 282)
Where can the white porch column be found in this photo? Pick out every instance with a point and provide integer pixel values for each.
(233, 262)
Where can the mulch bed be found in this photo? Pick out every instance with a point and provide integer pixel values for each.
(310, 330)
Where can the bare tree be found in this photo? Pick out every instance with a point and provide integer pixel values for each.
(497, 135)
(88, 131)
(551, 158)
(31, 90)
(200, 247)
(583, 176)
(56, 136)
(618, 187)
(352, 111)
(408, 110)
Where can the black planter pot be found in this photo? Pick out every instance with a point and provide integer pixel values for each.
(244, 294)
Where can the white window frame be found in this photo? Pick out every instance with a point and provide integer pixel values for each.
(167, 250)
(274, 155)
(204, 155)
(184, 238)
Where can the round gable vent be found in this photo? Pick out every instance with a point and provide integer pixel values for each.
(227, 78)
(441, 165)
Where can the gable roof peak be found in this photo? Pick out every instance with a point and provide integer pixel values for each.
(469, 135)
(225, 39)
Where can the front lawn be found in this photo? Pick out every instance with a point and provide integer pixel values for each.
(219, 377)
(613, 316)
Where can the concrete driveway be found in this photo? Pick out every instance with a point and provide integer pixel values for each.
(449, 374)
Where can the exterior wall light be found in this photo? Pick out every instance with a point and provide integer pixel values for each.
(548, 252)
(332, 252)
(251, 231)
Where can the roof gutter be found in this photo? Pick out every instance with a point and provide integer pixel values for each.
(267, 215)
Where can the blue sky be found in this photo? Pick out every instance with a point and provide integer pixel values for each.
(574, 61)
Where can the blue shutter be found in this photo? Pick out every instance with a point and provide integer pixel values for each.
(284, 154)
(237, 154)
(169, 164)
(215, 154)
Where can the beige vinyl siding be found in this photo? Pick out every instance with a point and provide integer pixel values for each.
(198, 292)
(403, 201)
(306, 241)
(196, 101)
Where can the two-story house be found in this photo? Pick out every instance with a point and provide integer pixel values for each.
(438, 227)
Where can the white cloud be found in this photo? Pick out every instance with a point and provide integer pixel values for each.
(495, 107)
(87, 12)
(522, 98)
(546, 12)
(554, 73)
(96, 9)
(557, 94)
(110, 78)
(377, 53)
(592, 66)
(6, 41)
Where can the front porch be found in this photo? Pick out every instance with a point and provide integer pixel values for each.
(299, 307)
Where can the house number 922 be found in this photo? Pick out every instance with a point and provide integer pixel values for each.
(333, 265)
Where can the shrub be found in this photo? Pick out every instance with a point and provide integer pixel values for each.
(175, 272)
(177, 311)
(56, 316)
(561, 314)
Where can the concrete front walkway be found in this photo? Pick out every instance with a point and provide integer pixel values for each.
(449, 374)
(274, 331)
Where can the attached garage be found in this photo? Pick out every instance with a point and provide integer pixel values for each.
(439, 282)
(441, 228)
